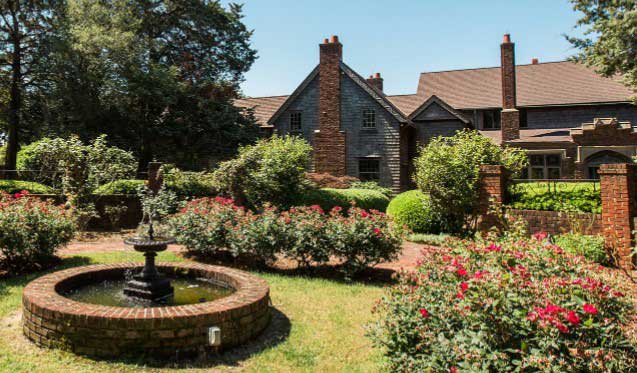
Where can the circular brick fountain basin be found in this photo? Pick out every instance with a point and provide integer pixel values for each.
(52, 320)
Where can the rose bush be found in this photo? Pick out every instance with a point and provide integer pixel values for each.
(525, 306)
(30, 231)
(305, 234)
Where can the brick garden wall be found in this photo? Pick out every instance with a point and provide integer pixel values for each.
(555, 222)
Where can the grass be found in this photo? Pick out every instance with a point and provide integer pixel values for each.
(318, 326)
(428, 239)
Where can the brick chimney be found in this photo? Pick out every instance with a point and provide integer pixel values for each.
(376, 81)
(535, 61)
(510, 118)
(329, 140)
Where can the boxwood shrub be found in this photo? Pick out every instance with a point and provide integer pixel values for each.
(590, 247)
(127, 187)
(329, 198)
(413, 209)
(560, 196)
(15, 186)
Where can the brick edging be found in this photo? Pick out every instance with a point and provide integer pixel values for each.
(52, 320)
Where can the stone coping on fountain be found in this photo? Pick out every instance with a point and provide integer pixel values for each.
(52, 320)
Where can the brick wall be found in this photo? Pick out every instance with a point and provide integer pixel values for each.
(330, 149)
(492, 189)
(555, 222)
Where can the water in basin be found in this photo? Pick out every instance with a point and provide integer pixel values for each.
(111, 293)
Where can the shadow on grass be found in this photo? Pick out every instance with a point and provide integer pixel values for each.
(369, 276)
(277, 331)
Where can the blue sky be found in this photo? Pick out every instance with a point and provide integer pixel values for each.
(399, 38)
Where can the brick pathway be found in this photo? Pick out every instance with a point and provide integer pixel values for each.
(109, 243)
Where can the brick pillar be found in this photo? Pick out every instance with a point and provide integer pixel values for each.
(155, 179)
(329, 140)
(492, 189)
(619, 205)
(510, 116)
(375, 81)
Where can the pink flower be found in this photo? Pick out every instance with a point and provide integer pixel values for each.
(459, 295)
(540, 236)
(337, 209)
(561, 327)
(573, 318)
(364, 214)
(424, 313)
(377, 232)
(479, 274)
(453, 370)
(589, 308)
(494, 247)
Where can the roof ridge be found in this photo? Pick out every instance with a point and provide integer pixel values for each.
(403, 94)
(491, 67)
(257, 97)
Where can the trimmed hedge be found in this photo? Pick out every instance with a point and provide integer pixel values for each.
(15, 186)
(127, 187)
(567, 197)
(413, 209)
(329, 198)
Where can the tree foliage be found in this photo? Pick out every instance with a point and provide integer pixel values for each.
(609, 40)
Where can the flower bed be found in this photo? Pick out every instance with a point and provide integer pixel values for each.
(30, 231)
(308, 235)
(524, 306)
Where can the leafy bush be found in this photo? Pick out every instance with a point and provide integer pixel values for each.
(189, 184)
(15, 186)
(271, 171)
(50, 161)
(526, 306)
(559, 196)
(371, 185)
(305, 234)
(202, 226)
(30, 231)
(127, 187)
(413, 210)
(328, 198)
(429, 239)
(590, 247)
(447, 170)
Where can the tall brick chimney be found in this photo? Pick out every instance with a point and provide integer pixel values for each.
(376, 81)
(329, 140)
(510, 118)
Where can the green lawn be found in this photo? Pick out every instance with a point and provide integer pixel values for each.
(318, 325)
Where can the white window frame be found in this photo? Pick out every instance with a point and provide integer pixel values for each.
(369, 118)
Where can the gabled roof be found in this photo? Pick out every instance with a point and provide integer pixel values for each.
(294, 95)
(263, 107)
(544, 84)
(435, 100)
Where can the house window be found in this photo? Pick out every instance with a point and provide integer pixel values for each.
(295, 122)
(369, 118)
(369, 169)
(491, 120)
(545, 166)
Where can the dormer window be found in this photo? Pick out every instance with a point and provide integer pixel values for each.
(369, 118)
(491, 120)
(296, 122)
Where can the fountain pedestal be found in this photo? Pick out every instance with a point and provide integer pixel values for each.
(149, 284)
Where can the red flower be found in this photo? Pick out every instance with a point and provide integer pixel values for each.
(453, 370)
(561, 327)
(573, 318)
(424, 313)
(589, 308)
(540, 236)
(377, 232)
(479, 274)
(459, 295)
(618, 294)
(364, 214)
(464, 286)
(494, 247)
(337, 209)
(461, 272)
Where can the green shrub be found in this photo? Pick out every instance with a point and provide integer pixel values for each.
(305, 234)
(189, 184)
(270, 172)
(525, 306)
(558, 196)
(447, 170)
(413, 209)
(127, 187)
(30, 231)
(370, 185)
(329, 198)
(15, 186)
(590, 247)
(429, 239)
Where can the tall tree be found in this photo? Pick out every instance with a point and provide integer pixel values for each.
(25, 26)
(164, 74)
(609, 41)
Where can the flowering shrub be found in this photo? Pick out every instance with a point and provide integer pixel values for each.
(527, 306)
(305, 234)
(30, 231)
(202, 225)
